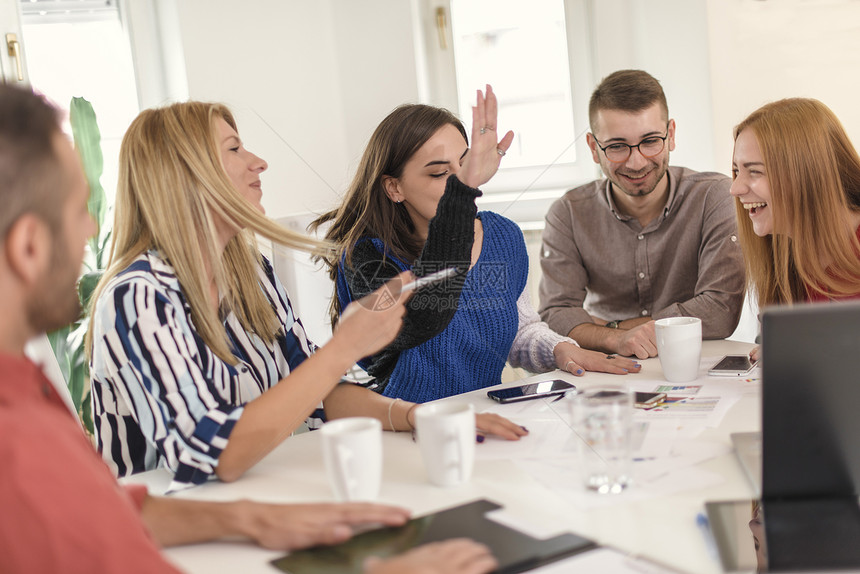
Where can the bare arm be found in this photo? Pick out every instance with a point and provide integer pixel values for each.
(174, 522)
(352, 400)
(365, 327)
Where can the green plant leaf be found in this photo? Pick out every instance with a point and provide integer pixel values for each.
(86, 412)
(68, 341)
(87, 136)
(86, 286)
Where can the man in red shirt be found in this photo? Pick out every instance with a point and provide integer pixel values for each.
(60, 508)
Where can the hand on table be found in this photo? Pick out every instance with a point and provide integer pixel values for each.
(640, 341)
(294, 526)
(486, 151)
(491, 423)
(455, 556)
(755, 354)
(576, 360)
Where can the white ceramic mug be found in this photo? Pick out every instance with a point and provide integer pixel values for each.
(679, 346)
(446, 436)
(352, 453)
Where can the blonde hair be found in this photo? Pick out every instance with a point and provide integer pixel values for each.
(814, 176)
(172, 186)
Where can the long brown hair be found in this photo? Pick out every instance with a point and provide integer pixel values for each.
(814, 176)
(366, 210)
(171, 186)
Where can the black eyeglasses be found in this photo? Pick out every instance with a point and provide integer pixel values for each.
(649, 147)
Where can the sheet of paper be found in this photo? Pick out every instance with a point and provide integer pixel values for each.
(562, 476)
(705, 400)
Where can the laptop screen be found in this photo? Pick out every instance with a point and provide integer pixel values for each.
(811, 401)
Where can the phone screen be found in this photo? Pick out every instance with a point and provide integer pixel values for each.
(646, 397)
(531, 391)
(734, 363)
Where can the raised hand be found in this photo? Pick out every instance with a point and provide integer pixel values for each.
(486, 151)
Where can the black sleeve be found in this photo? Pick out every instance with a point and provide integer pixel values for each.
(449, 244)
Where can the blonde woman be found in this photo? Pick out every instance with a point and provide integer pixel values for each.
(796, 176)
(198, 361)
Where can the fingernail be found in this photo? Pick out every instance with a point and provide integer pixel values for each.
(578, 372)
(636, 365)
(480, 438)
(524, 428)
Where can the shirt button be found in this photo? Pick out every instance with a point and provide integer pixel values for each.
(644, 312)
(640, 237)
(734, 238)
(641, 275)
(546, 252)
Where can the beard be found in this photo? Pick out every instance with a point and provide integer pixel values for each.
(54, 303)
(658, 171)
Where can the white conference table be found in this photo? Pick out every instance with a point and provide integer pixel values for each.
(662, 529)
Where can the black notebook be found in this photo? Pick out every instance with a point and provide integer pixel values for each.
(514, 550)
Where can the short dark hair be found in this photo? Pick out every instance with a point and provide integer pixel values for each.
(28, 160)
(626, 90)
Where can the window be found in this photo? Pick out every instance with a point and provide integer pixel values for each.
(539, 66)
(79, 48)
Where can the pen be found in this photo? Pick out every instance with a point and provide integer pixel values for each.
(705, 529)
(428, 279)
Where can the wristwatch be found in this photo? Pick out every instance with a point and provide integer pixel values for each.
(613, 324)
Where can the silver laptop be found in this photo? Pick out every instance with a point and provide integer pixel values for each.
(748, 450)
(806, 462)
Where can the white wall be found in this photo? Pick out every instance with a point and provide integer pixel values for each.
(765, 51)
(323, 73)
(669, 40)
(308, 82)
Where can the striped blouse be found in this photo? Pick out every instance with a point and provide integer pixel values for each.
(160, 396)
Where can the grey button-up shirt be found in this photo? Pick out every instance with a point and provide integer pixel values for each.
(686, 262)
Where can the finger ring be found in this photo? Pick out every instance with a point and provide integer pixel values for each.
(610, 356)
(569, 363)
(500, 151)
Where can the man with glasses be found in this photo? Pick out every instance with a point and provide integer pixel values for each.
(648, 241)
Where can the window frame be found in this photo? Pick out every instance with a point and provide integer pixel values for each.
(539, 183)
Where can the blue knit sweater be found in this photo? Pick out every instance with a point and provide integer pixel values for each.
(472, 350)
(456, 336)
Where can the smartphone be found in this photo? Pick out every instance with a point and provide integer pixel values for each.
(532, 391)
(647, 400)
(732, 366)
(429, 279)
